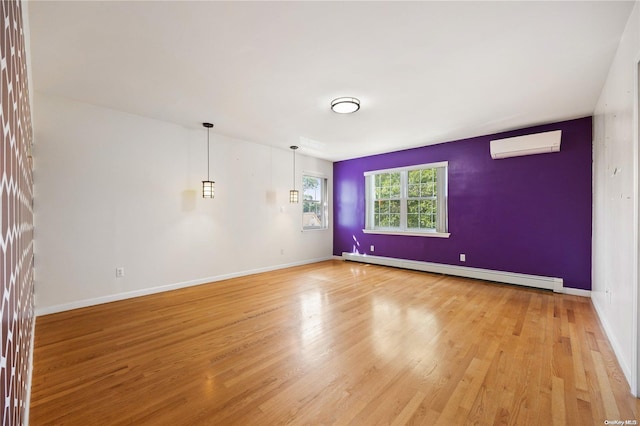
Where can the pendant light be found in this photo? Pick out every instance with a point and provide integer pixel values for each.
(293, 194)
(207, 185)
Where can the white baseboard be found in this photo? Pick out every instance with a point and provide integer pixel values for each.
(576, 292)
(536, 281)
(152, 290)
(617, 348)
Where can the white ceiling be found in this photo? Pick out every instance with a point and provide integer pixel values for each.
(425, 72)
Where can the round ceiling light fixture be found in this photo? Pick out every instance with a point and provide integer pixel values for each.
(345, 105)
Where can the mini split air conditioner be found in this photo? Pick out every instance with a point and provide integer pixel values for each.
(538, 143)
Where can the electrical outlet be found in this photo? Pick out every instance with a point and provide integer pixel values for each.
(463, 257)
(372, 248)
(120, 272)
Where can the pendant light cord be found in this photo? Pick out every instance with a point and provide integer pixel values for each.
(293, 148)
(208, 156)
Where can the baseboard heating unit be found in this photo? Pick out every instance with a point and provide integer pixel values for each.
(547, 283)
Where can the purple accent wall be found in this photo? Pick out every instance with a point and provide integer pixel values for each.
(530, 214)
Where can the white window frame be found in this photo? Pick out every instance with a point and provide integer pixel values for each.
(324, 201)
(442, 226)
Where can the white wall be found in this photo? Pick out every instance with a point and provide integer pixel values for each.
(615, 201)
(114, 189)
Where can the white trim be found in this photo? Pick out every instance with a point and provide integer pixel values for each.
(575, 292)
(536, 281)
(152, 290)
(413, 167)
(326, 228)
(324, 201)
(314, 174)
(408, 233)
(608, 330)
(441, 197)
(634, 379)
(442, 217)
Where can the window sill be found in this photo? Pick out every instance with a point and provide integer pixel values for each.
(408, 233)
(314, 229)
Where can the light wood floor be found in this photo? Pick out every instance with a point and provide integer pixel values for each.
(330, 343)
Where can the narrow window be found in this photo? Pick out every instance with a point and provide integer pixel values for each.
(314, 202)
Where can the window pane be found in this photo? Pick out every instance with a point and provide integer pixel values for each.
(376, 219)
(427, 206)
(384, 220)
(395, 220)
(412, 220)
(395, 185)
(312, 187)
(394, 192)
(414, 191)
(413, 206)
(430, 189)
(414, 176)
(431, 222)
(394, 206)
(387, 185)
(427, 221)
(394, 178)
(314, 207)
(384, 206)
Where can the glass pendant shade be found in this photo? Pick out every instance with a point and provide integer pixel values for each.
(208, 189)
(293, 196)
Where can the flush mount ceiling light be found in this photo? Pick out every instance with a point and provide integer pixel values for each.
(208, 185)
(345, 105)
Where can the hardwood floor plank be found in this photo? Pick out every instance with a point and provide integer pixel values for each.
(330, 343)
(558, 413)
(409, 410)
(604, 385)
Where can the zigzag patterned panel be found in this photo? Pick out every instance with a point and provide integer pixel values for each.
(16, 217)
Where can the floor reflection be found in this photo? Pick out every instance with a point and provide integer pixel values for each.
(312, 324)
(401, 329)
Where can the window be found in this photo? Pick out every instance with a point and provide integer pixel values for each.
(408, 200)
(314, 202)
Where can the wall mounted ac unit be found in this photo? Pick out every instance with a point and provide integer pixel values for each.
(538, 143)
